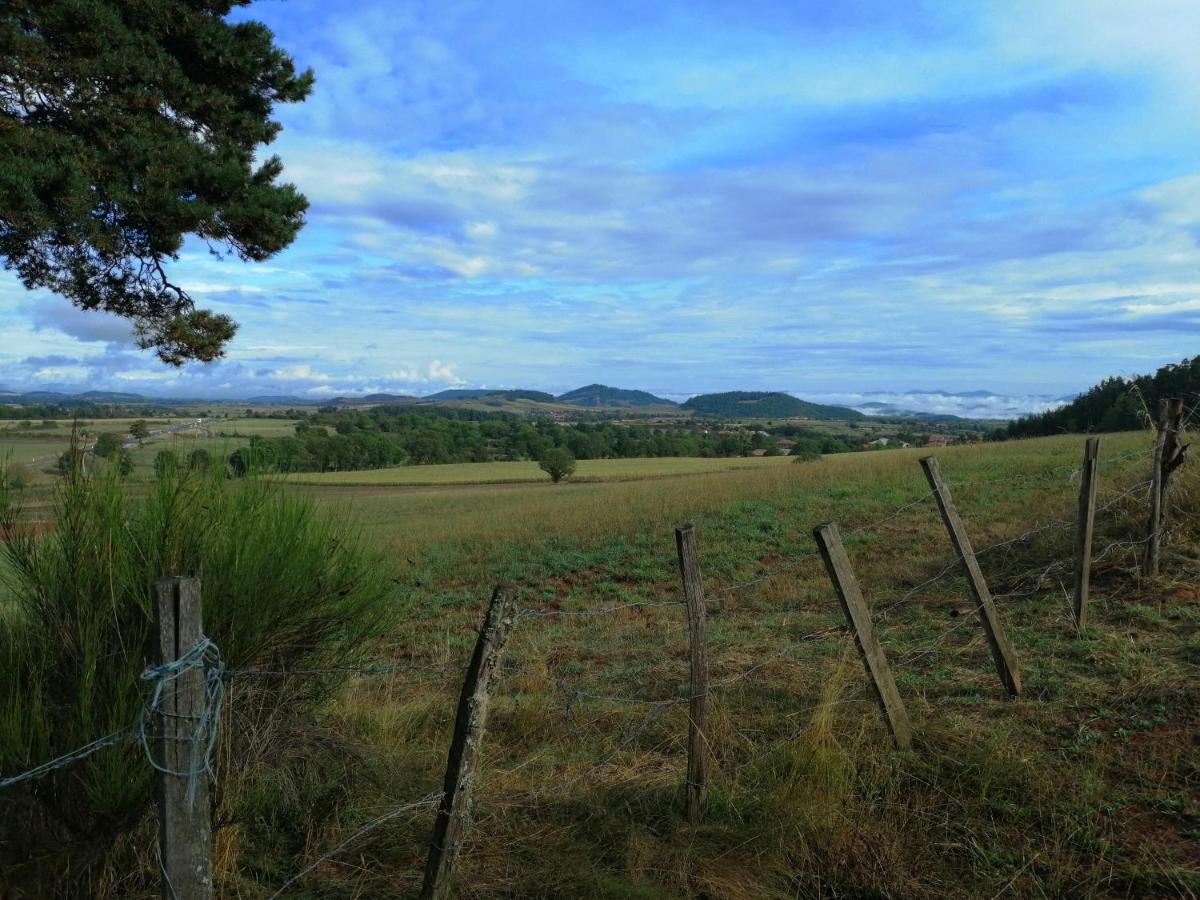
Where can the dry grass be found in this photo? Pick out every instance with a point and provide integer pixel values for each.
(1051, 795)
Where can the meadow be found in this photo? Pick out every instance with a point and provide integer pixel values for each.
(528, 472)
(1084, 786)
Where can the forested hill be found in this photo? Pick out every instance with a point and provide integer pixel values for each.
(765, 405)
(1115, 404)
(601, 395)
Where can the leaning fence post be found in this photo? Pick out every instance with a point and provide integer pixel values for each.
(1083, 531)
(1002, 652)
(454, 812)
(837, 564)
(1168, 456)
(184, 828)
(693, 590)
(1150, 559)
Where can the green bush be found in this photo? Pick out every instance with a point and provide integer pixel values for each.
(284, 587)
(805, 450)
(558, 463)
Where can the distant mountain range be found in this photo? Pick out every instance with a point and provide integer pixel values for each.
(927, 405)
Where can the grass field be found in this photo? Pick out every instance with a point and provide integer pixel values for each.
(519, 472)
(1083, 787)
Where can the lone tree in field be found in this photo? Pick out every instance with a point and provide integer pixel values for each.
(558, 463)
(125, 127)
(139, 430)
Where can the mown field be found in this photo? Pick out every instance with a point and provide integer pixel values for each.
(1085, 786)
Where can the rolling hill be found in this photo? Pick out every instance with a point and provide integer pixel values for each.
(601, 395)
(765, 405)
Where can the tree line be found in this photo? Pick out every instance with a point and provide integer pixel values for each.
(344, 440)
(1115, 404)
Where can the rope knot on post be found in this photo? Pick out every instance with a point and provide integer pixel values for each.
(202, 736)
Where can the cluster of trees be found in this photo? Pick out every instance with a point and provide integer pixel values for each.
(1115, 404)
(389, 436)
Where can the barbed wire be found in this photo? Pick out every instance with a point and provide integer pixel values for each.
(597, 611)
(427, 800)
(374, 668)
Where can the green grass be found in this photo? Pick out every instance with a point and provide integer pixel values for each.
(22, 449)
(1084, 787)
(1070, 791)
(528, 471)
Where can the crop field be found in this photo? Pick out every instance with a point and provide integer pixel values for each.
(527, 471)
(1083, 787)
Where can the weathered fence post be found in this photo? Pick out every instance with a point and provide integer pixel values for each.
(1002, 652)
(1083, 531)
(184, 828)
(454, 812)
(837, 564)
(693, 590)
(1168, 456)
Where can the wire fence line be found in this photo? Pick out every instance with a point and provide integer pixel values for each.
(200, 656)
(205, 657)
(397, 812)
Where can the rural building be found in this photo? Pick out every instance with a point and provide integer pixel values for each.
(938, 440)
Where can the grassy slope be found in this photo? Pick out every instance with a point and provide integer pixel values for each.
(1084, 787)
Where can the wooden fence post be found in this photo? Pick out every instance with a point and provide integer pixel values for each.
(693, 590)
(1002, 652)
(1169, 454)
(1150, 558)
(837, 564)
(454, 812)
(1083, 531)
(184, 828)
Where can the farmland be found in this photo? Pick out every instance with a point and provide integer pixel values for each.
(1078, 788)
(805, 779)
(527, 471)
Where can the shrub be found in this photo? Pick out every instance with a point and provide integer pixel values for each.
(558, 463)
(805, 450)
(166, 464)
(284, 587)
(107, 444)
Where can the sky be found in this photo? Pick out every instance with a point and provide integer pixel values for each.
(863, 198)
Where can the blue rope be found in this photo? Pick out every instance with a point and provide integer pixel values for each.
(202, 741)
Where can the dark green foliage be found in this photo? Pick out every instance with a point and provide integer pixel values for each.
(284, 587)
(765, 405)
(139, 430)
(124, 460)
(166, 464)
(126, 127)
(557, 463)
(107, 445)
(1115, 404)
(199, 459)
(805, 450)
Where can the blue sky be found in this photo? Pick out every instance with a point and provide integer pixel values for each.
(825, 198)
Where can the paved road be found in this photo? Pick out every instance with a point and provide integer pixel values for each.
(130, 441)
